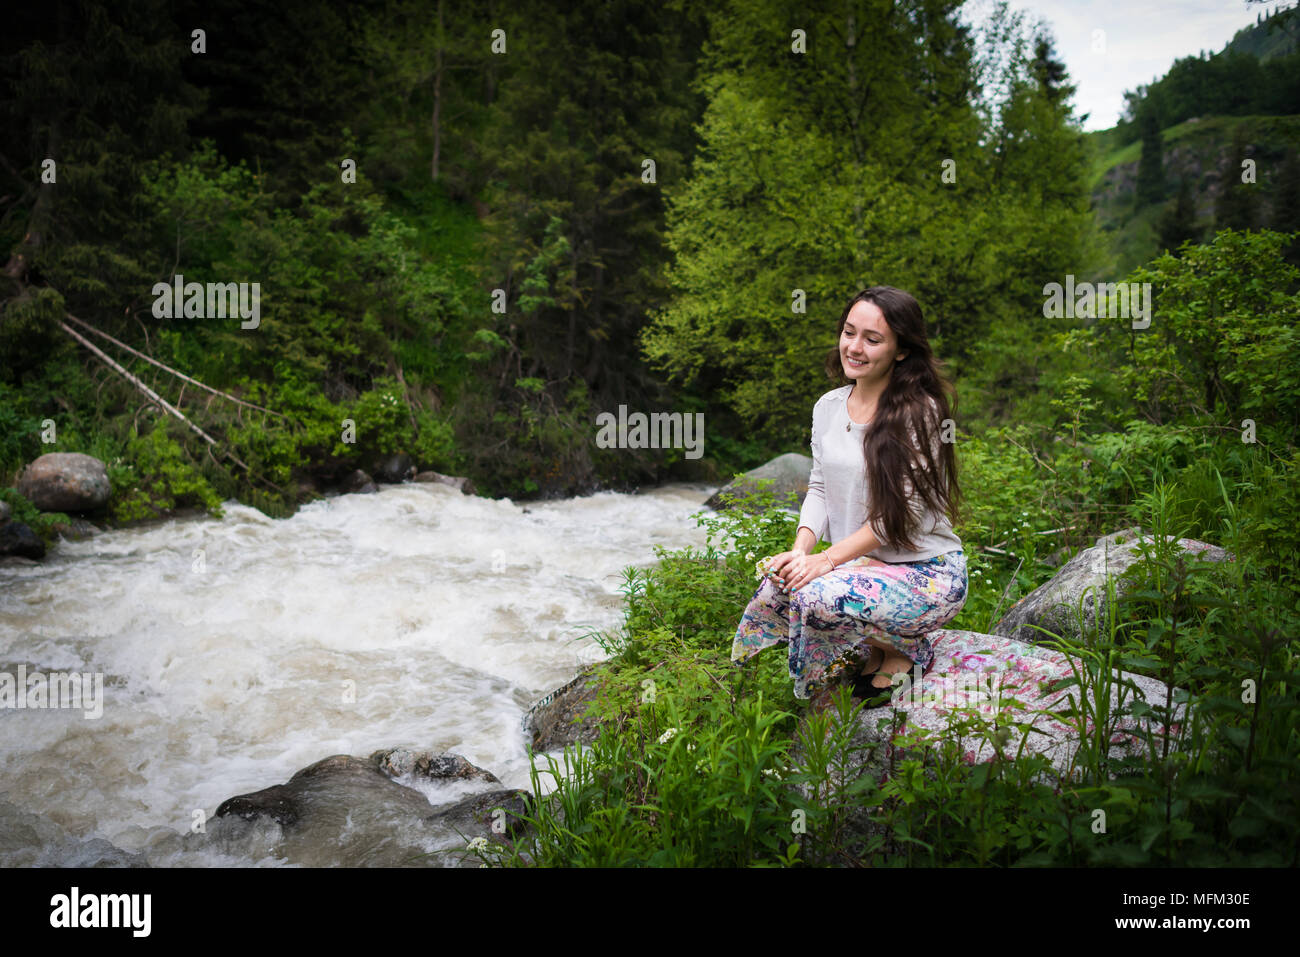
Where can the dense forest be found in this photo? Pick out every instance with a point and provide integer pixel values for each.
(473, 228)
(469, 242)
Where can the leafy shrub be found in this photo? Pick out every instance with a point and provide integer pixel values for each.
(160, 477)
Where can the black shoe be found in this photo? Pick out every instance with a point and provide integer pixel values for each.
(869, 694)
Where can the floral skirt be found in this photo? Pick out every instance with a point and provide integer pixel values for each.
(828, 620)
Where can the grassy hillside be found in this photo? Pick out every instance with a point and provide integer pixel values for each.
(1196, 149)
(1261, 41)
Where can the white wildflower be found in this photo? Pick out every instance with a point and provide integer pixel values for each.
(667, 735)
(478, 844)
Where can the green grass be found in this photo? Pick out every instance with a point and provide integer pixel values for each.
(702, 764)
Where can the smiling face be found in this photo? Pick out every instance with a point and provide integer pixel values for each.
(868, 347)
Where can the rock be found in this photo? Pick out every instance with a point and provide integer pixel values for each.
(360, 483)
(77, 530)
(346, 811)
(1058, 557)
(999, 676)
(1052, 606)
(278, 802)
(456, 481)
(993, 675)
(789, 474)
(395, 469)
(559, 718)
(65, 482)
(287, 804)
(478, 812)
(6, 511)
(18, 539)
(32, 840)
(399, 762)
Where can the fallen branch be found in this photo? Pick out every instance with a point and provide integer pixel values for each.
(150, 393)
(180, 375)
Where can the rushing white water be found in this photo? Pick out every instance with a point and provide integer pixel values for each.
(237, 651)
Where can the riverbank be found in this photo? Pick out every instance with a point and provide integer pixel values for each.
(684, 760)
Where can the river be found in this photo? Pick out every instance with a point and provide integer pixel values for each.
(236, 651)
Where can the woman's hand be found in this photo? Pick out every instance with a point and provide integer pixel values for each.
(793, 569)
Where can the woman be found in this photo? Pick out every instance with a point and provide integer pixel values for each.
(860, 610)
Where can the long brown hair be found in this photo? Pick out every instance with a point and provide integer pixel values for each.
(903, 410)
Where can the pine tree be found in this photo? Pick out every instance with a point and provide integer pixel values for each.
(1286, 195)
(1151, 169)
(425, 89)
(1286, 204)
(1234, 208)
(1049, 72)
(1178, 224)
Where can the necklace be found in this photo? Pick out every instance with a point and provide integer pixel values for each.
(848, 427)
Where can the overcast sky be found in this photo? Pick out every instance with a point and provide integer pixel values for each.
(1142, 40)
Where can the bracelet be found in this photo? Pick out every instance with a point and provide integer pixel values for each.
(827, 556)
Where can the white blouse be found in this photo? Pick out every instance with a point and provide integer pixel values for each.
(837, 488)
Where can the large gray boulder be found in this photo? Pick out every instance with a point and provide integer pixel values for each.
(789, 474)
(66, 482)
(348, 811)
(977, 678)
(1083, 579)
(459, 482)
(999, 677)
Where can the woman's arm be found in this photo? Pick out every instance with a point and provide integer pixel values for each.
(861, 542)
(805, 540)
